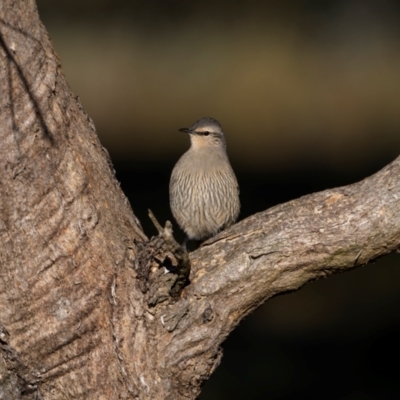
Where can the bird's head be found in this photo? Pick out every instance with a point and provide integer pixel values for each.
(206, 133)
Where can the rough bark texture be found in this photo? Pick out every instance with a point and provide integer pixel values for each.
(74, 310)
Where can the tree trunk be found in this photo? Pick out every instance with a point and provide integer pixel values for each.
(85, 304)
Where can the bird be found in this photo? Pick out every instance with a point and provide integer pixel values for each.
(203, 189)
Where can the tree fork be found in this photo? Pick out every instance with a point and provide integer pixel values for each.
(75, 315)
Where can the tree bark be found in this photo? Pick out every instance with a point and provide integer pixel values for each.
(78, 277)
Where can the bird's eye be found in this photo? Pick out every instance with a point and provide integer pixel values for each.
(206, 133)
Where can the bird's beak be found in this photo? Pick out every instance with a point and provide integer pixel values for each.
(186, 130)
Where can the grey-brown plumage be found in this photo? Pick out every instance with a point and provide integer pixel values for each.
(204, 193)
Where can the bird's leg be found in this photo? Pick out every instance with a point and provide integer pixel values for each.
(185, 241)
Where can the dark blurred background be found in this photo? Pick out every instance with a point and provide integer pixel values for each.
(308, 94)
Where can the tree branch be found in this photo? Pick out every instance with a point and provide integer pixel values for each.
(278, 251)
